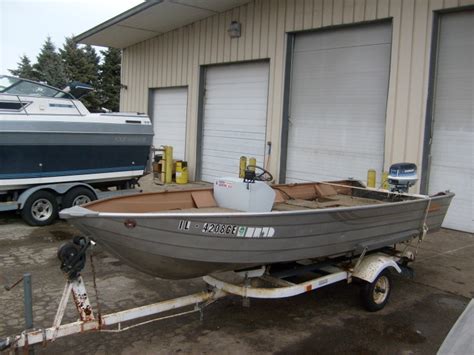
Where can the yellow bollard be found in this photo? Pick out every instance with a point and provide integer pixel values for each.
(168, 164)
(242, 166)
(252, 163)
(371, 178)
(385, 180)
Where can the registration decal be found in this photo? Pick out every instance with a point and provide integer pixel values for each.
(230, 230)
(219, 228)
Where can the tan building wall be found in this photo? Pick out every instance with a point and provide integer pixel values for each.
(173, 59)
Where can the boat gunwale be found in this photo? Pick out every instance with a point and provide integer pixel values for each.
(190, 215)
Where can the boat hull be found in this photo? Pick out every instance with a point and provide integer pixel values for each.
(180, 245)
(42, 151)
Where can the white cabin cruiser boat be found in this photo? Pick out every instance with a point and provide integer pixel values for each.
(48, 136)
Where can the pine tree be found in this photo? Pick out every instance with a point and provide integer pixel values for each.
(49, 67)
(74, 61)
(91, 77)
(82, 64)
(110, 78)
(24, 69)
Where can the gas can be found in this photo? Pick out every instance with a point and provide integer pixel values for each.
(181, 172)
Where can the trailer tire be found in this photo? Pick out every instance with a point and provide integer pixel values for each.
(375, 295)
(40, 209)
(78, 196)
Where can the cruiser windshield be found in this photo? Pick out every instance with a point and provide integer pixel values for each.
(15, 86)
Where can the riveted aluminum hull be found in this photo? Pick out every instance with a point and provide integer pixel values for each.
(179, 245)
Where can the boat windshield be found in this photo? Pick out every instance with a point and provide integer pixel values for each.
(17, 86)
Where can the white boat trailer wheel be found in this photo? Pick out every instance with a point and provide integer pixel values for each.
(371, 269)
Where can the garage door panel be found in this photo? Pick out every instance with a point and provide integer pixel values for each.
(240, 146)
(338, 103)
(245, 89)
(235, 139)
(324, 163)
(344, 37)
(229, 154)
(234, 114)
(339, 61)
(169, 119)
(215, 167)
(225, 164)
(448, 154)
(234, 120)
(452, 149)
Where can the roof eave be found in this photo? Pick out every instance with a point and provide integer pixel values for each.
(114, 20)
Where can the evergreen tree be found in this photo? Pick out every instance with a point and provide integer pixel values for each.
(74, 61)
(24, 69)
(49, 67)
(91, 77)
(82, 64)
(110, 78)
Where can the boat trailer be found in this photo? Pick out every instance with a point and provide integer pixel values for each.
(372, 270)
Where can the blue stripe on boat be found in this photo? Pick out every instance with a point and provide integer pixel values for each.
(70, 172)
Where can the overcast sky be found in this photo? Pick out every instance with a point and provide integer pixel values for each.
(25, 24)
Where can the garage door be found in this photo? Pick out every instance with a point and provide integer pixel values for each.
(452, 162)
(338, 98)
(169, 119)
(234, 117)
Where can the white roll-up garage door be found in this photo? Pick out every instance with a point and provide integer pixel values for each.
(338, 99)
(234, 117)
(169, 119)
(452, 150)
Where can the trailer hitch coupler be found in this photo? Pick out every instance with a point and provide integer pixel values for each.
(4, 344)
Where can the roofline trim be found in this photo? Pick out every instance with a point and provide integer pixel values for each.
(115, 20)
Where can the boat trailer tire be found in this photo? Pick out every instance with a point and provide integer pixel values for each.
(78, 196)
(40, 209)
(375, 294)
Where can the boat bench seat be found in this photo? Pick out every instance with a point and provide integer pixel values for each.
(326, 202)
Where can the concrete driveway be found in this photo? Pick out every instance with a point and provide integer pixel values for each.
(331, 320)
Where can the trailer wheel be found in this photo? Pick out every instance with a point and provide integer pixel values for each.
(40, 209)
(375, 295)
(78, 196)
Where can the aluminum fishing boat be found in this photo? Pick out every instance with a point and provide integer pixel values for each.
(48, 136)
(237, 224)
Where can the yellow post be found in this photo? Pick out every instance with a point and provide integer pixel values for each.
(242, 166)
(371, 178)
(168, 164)
(385, 180)
(252, 163)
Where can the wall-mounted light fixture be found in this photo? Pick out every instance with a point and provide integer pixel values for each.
(234, 29)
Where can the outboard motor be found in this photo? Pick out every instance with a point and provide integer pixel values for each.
(402, 176)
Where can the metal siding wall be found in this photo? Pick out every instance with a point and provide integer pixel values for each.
(173, 59)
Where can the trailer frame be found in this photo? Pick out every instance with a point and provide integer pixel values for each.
(365, 268)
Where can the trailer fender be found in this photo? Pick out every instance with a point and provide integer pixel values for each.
(59, 189)
(372, 265)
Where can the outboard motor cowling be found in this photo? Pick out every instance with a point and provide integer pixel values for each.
(402, 176)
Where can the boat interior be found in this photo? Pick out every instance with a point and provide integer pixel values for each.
(288, 197)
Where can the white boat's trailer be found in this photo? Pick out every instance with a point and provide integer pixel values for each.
(39, 205)
(372, 270)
